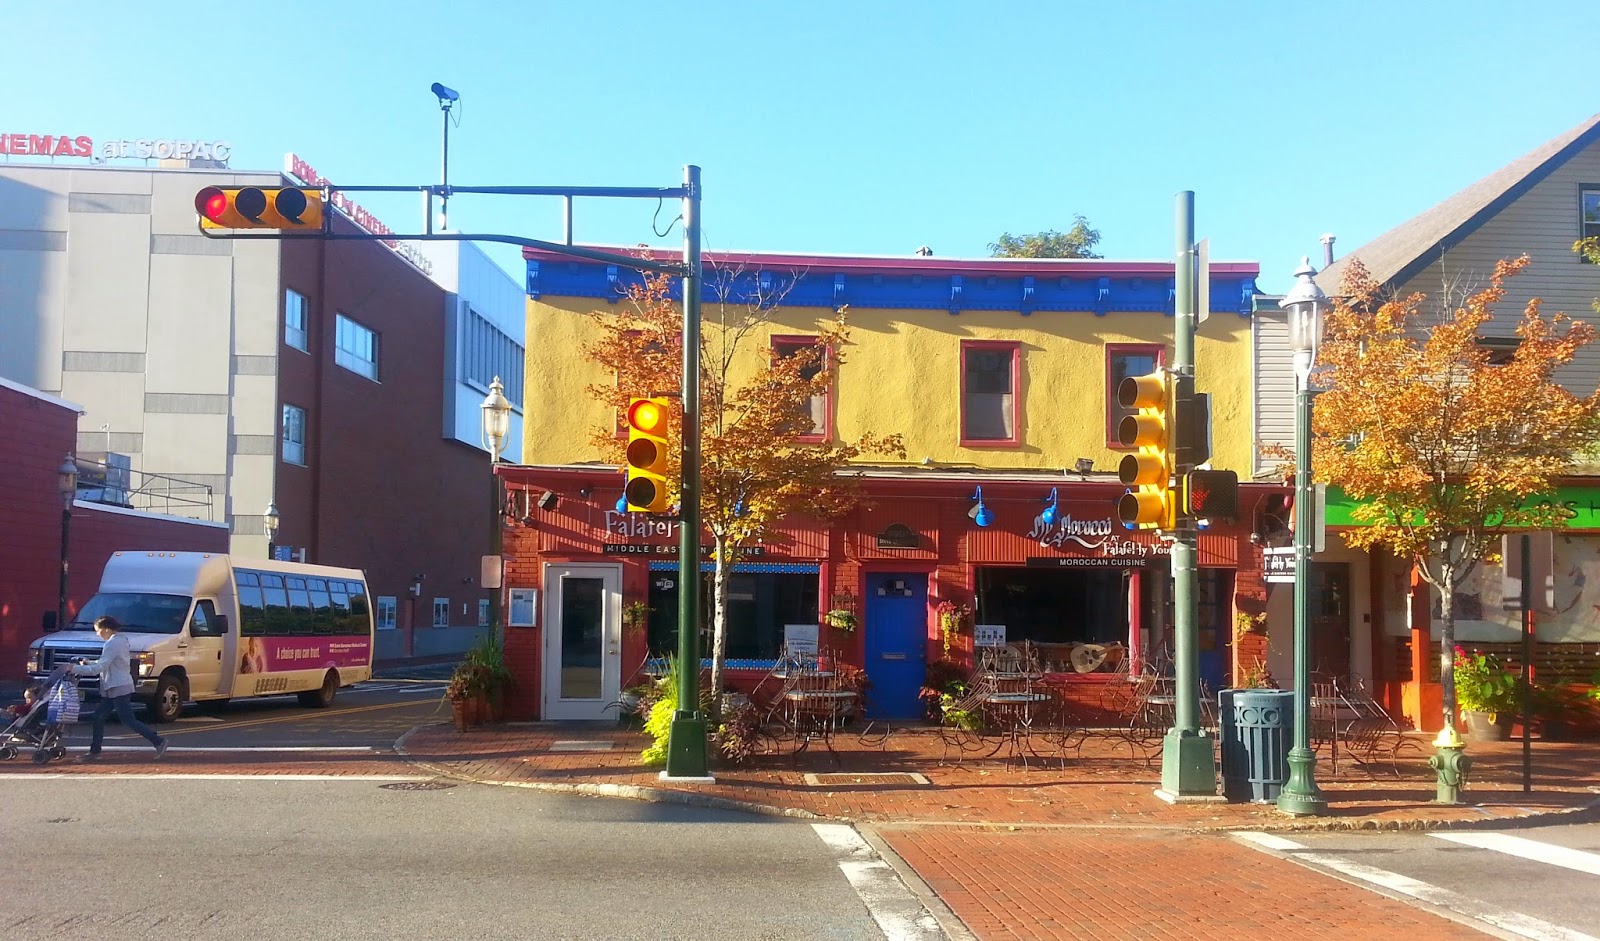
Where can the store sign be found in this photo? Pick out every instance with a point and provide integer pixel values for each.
(1092, 542)
(1084, 562)
(989, 635)
(82, 145)
(899, 536)
(1278, 565)
(668, 549)
(294, 166)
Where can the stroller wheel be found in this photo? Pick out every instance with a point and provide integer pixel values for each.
(58, 753)
(7, 753)
(40, 757)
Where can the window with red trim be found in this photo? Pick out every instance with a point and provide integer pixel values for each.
(989, 400)
(1124, 360)
(821, 406)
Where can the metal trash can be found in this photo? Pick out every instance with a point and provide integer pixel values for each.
(1257, 728)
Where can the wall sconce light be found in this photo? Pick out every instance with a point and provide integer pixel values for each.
(1083, 465)
(980, 514)
(585, 493)
(622, 504)
(548, 500)
(1048, 517)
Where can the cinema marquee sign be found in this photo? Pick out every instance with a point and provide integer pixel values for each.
(82, 145)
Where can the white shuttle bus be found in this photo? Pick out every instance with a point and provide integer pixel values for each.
(204, 627)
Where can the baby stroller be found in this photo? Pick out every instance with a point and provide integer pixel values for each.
(39, 727)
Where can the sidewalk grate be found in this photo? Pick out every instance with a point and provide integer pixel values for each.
(844, 778)
(583, 745)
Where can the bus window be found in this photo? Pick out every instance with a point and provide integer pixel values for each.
(321, 606)
(341, 606)
(276, 600)
(300, 618)
(252, 617)
(360, 619)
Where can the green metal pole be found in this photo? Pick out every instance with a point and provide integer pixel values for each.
(496, 548)
(686, 742)
(1300, 795)
(1188, 761)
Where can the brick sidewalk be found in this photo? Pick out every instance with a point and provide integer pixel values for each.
(868, 781)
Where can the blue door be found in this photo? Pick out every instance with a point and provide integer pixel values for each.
(896, 626)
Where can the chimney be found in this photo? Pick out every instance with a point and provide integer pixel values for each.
(1327, 249)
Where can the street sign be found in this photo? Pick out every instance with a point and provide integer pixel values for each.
(1278, 565)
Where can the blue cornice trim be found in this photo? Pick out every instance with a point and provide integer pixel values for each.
(1024, 294)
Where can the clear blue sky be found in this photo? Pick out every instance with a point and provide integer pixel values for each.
(850, 127)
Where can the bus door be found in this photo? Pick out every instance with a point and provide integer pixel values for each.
(202, 652)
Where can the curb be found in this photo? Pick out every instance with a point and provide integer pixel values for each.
(1584, 813)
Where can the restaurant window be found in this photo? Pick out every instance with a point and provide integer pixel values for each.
(988, 392)
(1589, 213)
(759, 605)
(1124, 360)
(294, 319)
(1055, 606)
(784, 347)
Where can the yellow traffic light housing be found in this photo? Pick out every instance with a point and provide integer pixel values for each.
(646, 489)
(1147, 472)
(293, 208)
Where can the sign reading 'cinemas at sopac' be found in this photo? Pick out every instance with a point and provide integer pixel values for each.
(81, 145)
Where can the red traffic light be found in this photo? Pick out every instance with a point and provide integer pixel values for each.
(645, 415)
(212, 203)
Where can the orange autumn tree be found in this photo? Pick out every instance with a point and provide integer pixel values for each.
(755, 407)
(1442, 445)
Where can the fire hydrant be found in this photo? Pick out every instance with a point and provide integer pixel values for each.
(1451, 763)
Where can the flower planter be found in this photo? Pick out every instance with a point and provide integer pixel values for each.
(469, 712)
(1487, 726)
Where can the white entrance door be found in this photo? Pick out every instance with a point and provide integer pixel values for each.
(582, 640)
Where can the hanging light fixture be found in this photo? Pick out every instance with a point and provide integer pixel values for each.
(1048, 517)
(980, 514)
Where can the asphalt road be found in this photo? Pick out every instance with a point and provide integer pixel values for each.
(110, 859)
(1538, 882)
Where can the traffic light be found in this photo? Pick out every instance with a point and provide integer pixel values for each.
(1211, 495)
(251, 207)
(646, 489)
(1147, 472)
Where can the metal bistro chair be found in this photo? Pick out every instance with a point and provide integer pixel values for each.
(814, 704)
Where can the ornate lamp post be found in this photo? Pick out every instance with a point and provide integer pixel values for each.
(1305, 303)
(269, 524)
(67, 486)
(496, 428)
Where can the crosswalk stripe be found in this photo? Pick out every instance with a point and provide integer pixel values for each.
(1528, 849)
(1516, 923)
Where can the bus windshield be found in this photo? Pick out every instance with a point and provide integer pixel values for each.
(138, 612)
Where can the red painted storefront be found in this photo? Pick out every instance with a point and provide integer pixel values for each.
(915, 525)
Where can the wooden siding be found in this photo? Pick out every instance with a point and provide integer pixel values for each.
(1542, 223)
(1274, 385)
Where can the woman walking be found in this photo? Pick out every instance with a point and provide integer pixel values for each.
(116, 688)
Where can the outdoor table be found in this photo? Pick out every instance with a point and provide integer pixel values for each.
(1012, 715)
(814, 714)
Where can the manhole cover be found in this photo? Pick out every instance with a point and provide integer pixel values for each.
(417, 786)
(845, 779)
(582, 745)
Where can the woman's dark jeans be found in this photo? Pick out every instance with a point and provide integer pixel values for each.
(123, 707)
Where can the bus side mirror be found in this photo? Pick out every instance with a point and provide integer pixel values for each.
(48, 622)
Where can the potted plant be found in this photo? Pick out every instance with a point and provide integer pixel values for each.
(468, 693)
(840, 619)
(1485, 693)
(1257, 676)
(489, 659)
(953, 618)
(1246, 623)
(635, 617)
(944, 677)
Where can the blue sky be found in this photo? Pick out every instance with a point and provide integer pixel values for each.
(847, 127)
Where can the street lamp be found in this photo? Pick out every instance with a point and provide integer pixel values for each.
(1305, 303)
(67, 486)
(496, 428)
(269, 523)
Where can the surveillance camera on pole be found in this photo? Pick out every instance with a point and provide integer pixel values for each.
(447, 97)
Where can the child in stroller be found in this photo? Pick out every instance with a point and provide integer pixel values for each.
(38, 719)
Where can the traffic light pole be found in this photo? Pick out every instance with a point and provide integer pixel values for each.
(1188, 765)
(686, 741)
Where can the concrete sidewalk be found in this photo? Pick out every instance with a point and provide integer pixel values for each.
(910, 778)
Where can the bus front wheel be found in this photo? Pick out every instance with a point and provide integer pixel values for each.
(167, 704)
(322, 698)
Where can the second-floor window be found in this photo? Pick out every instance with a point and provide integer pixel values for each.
(1124, 360)
(356, 347)
(294, 319)
(1589, 211)
(989, 413)
(294, 435)
(784, 347)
